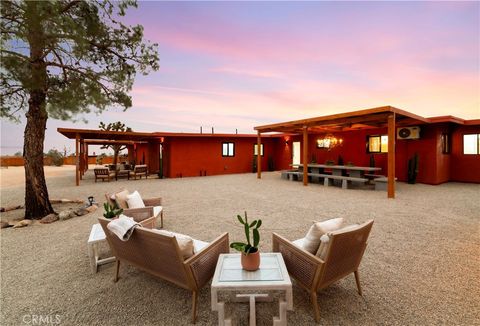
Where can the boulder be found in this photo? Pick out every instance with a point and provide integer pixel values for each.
(81, 211)
(50, 218)
(65, 215)
(22, 224)
(92, 208)
(4, 225)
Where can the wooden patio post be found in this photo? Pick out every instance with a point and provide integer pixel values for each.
(77, 159)
(259, 157)
(391, 156)
(82, 158)
(305, 155)
(86, 157)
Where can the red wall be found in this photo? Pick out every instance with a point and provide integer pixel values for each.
(434, 166)
(464, 168)
(190, 156)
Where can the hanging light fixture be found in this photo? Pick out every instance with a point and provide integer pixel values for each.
(329, 141)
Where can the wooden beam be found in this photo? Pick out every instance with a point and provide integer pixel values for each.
(391, 156)
(77, 159)
(305, 155)
(259, 157)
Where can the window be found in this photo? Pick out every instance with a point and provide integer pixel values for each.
(228, 149)
(471, 144)
(255, 149)
(445, 142)
(377, 144)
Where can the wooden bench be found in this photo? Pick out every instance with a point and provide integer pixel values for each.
(381, 183)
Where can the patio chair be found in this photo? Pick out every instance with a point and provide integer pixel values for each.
(160, 255)
(155, 203)
(139, 171)
(341, 257)
(103, 173)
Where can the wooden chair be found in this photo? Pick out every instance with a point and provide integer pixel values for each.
(103, 173)
(343, 256)
(155, 203)
(139, 170)
(159, 255)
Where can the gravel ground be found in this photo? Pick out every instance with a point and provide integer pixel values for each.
(421, 266)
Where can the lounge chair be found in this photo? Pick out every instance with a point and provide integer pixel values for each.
(155, 203)
(160, 255)
(139, 171)
(342, 256)
(103, 173)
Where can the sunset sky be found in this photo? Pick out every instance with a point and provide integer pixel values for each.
(237, 65)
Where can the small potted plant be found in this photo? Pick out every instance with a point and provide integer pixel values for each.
(250, 256)
(111, 211)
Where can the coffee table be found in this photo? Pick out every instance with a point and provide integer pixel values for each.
(96, 236)
(271, 276)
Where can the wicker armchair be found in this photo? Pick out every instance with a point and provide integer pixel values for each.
(155, 203)
(139, 171)
(159, 255)
(343, 257)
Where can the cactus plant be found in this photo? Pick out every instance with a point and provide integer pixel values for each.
(248, 248)
(111, 211)
(372, 161)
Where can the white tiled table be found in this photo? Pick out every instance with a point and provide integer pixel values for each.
(271, 276)
(96, 236)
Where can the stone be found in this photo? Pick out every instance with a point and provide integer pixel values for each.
(4, 225)
(81, 211)
(22, 224)
(50, 218)
(92, 208)
(65, 215)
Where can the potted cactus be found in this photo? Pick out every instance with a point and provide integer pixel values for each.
(250, 256)
(111, 211)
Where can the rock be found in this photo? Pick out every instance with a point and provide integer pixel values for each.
(92, 208)
(50, 218)
(81, 211)
(65, 215)
(22, 224)
(4, 225)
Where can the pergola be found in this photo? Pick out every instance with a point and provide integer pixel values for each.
(385, 116)
(85, 137)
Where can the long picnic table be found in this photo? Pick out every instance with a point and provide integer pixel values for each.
(356, 174)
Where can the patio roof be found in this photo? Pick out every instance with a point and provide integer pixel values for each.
(363, 119)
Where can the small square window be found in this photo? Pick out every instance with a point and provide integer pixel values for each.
(377, 144)
(228, 149)
(471, 144)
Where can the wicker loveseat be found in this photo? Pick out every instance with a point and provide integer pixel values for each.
(160, 255)
(343, 256)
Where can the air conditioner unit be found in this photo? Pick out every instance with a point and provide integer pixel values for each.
(408, 133)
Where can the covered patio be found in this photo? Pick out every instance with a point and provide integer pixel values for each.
(380, 117)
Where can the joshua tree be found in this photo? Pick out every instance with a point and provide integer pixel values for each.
(114, 126)
(62, 58)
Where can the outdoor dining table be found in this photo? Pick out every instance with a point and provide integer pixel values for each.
(353, 171)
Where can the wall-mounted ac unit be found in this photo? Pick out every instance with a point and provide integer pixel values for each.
(408, 133)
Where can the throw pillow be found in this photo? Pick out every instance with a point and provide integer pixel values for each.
(121, 198)
(185, 243)
(325, 240)
(134, 200)
(312, 239)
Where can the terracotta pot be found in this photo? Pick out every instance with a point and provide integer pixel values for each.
(250, 262)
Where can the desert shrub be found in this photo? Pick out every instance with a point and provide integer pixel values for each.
(55, 156)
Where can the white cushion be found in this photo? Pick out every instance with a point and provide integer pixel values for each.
(185, 243)
(312, 239)
(157, 210)
(199, 245)
(299, 242)
(134, 200)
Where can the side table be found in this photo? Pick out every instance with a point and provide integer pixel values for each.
(271, 276)
(96, 236)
